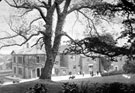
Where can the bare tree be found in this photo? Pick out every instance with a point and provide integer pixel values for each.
(47, 10)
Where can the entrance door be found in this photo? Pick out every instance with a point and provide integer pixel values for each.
(38, 72)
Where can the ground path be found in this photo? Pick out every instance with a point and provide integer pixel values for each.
(55, 86)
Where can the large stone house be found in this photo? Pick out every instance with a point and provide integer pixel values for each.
(28, 63)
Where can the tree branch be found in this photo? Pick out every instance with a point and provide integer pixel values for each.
(24, 5)
(78, 7)
(26, 40)
(26, 12)
(34, 20)
(91, 21)
(28, 6)
(67, 3)
(37, 41)
(8, 37)
(41, 13)
(58, 9)
(80, 45)
(50, 2)
(44, 4)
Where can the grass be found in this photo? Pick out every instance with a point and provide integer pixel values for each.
(55, 87)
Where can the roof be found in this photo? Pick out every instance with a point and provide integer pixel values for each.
(29, 51)
(35, 50)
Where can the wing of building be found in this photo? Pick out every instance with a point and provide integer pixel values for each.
(28, 63)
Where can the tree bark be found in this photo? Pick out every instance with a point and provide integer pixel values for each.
(52, 50)
(52, 46)
(47, 70)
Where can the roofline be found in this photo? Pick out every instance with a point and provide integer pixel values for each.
(28, 54)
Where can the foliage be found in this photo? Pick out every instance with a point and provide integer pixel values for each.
(70, 88)
(129, 67)
(38, 88)
(115, 87)
(106, 63)
(104, 45)
(126, 10)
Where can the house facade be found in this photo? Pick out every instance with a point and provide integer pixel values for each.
(28, 63)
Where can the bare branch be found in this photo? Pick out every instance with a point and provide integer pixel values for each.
(13, 45)
(26, 12)
(83, 49)
(9, 37)
(37, 41)
(59, 1)
(10, 26)
(28, 6)
(78, 7)
(91, 21)
(26, 40)
(77, 18)
(15, 2)
(41, 13)
(45, 5)
(58, 9)
(67, 3)
(24, 5)
(49, 2)
(104, 19)
(65, 34)
(34, 20)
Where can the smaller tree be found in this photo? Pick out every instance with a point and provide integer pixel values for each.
(106, 63)
(103, 45)
(129, 66)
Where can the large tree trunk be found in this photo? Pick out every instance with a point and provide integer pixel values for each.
(47, 70)
(51, 46)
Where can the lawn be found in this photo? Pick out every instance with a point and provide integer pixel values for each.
(55, 87)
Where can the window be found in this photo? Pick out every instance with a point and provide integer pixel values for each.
(74, 67)
(73, 57)
(38, 59)
(14, 69)
(20, 72)
(116, 68)
(14, 59)
(63, 62)
(20, 60)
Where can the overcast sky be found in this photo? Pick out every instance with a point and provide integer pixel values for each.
(5, 11)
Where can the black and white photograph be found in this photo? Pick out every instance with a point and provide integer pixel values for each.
(67, 46)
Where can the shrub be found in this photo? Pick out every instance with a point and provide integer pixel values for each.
(38, 88)
(70, 88)
(129, 67)
(83, 88)
(115, 87)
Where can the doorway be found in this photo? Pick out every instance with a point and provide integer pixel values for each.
(38, 72)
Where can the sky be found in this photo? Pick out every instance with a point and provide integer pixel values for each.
(6, 11)
(72, 29)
